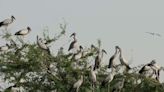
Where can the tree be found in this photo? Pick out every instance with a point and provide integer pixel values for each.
(32, 69)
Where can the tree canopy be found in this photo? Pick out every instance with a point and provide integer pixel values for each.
(28, 68)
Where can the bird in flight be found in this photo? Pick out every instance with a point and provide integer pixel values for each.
(154, 34)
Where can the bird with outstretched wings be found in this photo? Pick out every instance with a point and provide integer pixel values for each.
(154, 34)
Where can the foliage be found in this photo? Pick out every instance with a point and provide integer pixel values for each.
(27, 66)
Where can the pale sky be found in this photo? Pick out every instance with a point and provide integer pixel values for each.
(115, 22)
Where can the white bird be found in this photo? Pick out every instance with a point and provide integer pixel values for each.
(123, 60)
(93, 76)
(111, 60)
(109, 78)
(98, 58)
(93, 48)
(77, 85)
(7, 22)
(23, 32)
(156, 68)
(73, 44)
(119, 85)
(4, 48)
(144, 69)
(42, 45)
(79, 53)
(148, 68)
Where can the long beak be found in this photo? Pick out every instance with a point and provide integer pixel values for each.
(81, 47)
(73, 34)
(104, 51)
(13, 17)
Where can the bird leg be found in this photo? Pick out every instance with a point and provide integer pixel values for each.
(93, 87)
(108, 88)
(77, 90)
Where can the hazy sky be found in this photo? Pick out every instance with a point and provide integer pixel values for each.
(115, 22)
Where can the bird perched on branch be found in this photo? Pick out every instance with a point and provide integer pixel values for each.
(23, 32)
(93, 48)
(151, 66)
(111, 60)
(4, 48)
(76, 85)
(7, 22)
(123, 61)
(42, 45)
(119, 85)
(98, 58)
(73, 44)
(93, 76)
(79, 53)
(109, 78)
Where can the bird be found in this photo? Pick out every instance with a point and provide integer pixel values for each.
(79, 53)
(158, 72)
(109, 78)
(123, 61)
(111, 60)
(156, 68)
(23, 32)
(98, 58)
(93, 76)
(93, 48)
(119, 85)
(154, 34)
(148, 69)
(76, 85)
(7, 22)
(4, 48)
(42, 45)
(73, 44)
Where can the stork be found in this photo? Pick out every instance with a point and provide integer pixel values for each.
(7, 22)
(111, 60)
(93, 77)
(23, 32)
(148, 67)
(156, 68)
(123, 60)
(79, 53)
(119, 85)
(4, 48)
(98, 58)
(154, 34)
(76, 85)
(93, 48)
(109, 78)
(42, 45)
(158, 73)
(73, 44)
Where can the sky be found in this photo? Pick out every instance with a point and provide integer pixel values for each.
(115, 22)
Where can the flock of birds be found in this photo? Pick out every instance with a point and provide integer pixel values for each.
(5, 23)
(151, 69)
